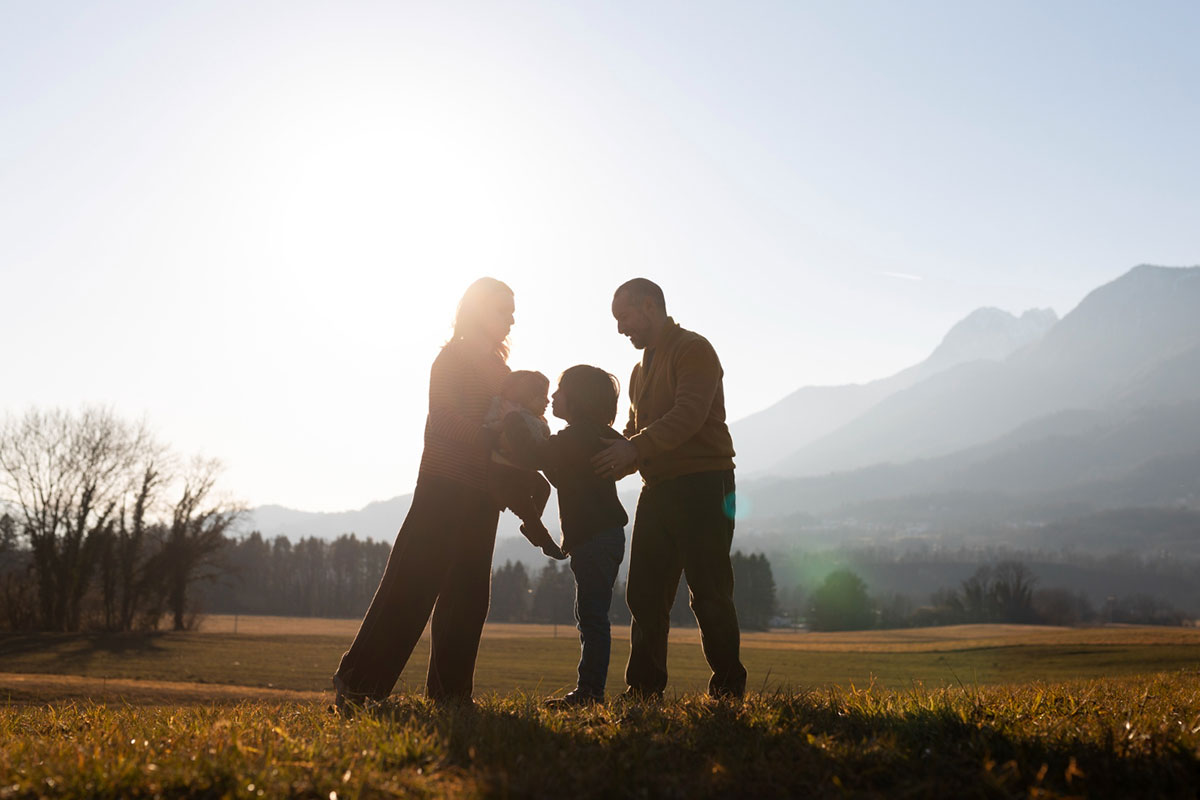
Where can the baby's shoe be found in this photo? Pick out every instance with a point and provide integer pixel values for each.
(543, 539)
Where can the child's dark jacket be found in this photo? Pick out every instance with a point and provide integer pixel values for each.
(587, 503)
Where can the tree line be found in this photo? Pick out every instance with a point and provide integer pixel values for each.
(1004, 592)
(547, 595)
(102, 526)
(309, 578)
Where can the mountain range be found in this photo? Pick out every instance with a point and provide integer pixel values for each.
(812, 412)
(1014, 422)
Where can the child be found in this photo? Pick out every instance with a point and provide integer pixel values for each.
(593, 520)
(523, 490)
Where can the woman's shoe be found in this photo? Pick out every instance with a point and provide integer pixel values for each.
(345, 702)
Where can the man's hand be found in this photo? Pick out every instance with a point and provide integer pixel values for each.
(617, 460)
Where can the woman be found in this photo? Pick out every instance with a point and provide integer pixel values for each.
(442, 558)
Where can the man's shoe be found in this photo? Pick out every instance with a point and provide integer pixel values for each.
(453, 702)
(574, 699)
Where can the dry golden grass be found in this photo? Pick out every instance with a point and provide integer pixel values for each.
(903, 640)
(30, 688)
(1110, 738)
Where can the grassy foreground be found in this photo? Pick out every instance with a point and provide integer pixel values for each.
(1137, 736)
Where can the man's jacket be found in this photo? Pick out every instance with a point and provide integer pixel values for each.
(677, 408)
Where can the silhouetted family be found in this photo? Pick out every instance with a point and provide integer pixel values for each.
(486, 439)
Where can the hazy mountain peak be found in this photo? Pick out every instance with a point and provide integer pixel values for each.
(992, 333)
(1039, 316)
(987, 334)
(1142, 282)
(1148, 310)
(1144, 324)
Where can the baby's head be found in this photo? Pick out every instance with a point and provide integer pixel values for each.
(587, 394)
(527, 389)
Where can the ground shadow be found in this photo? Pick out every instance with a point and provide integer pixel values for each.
(76, 648)
(788, 748)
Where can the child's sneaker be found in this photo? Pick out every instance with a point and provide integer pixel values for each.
(575, 698)
(542, 538)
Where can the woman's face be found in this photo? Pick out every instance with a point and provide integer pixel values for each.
(497, 317)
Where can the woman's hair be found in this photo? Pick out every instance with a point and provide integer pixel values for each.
(475, 303)
(591, 394)
(518, 384)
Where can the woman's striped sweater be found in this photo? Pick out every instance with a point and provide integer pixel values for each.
(462, 383)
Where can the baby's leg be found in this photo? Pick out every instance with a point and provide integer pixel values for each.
(539, 492)
(519, 487)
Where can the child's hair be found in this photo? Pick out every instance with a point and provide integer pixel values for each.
(591, 394)
(518, 384)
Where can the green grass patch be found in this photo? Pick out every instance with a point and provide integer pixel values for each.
(1107, 738)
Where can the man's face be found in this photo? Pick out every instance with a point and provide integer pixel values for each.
(632, 320)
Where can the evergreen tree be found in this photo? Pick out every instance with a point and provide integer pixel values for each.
(511, 595)
(754, 590)
(554, 595)
(841, 604)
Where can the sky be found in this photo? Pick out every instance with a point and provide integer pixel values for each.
(249, 223)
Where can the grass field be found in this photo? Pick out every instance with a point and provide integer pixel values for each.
(978, 711)
(1133, 737)
(298, 654)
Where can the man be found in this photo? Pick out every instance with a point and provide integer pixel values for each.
(678, 440)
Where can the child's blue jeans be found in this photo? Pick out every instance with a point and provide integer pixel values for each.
(595, 564)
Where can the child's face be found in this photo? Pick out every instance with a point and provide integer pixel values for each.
(535, 401)
(559, 409)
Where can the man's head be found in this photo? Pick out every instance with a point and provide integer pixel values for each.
(640, 311)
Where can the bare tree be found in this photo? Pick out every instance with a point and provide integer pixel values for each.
(1012, 588)
(977, 596)
(8, 534)
(66, 475)
(130, 586)
(86, 492)
(195, 537)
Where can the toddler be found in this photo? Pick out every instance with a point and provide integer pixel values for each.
(524, 491)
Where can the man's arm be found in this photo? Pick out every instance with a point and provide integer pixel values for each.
(617, 460)
(699, 375)
(631, 423)
(621, 458)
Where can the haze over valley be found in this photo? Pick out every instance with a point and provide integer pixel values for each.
(1018, 429)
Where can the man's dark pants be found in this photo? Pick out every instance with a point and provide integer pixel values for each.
(684, 525)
